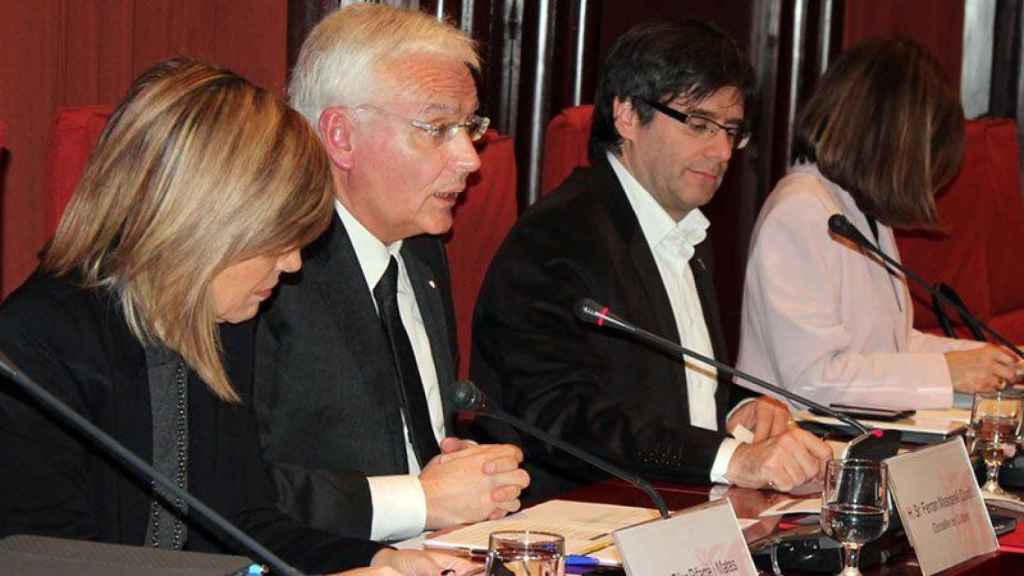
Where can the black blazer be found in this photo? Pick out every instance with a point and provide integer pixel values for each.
(76, 343)
(611, 395)
(327, 397)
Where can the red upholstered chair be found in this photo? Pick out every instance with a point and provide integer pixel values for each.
(565, 145)
(74, 135)
(981, 215)
(486, 212)
(3, 155)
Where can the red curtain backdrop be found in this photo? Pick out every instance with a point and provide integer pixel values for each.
(936, 24)
(79, 52)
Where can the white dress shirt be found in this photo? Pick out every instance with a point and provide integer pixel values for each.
(399, 503)
(672, 244)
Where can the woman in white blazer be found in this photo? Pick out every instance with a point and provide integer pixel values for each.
(882, 132)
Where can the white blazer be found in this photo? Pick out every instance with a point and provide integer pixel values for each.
(825, 320)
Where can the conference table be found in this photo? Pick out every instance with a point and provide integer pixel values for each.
(749, 503)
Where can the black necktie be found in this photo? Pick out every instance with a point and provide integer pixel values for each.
(417, 415)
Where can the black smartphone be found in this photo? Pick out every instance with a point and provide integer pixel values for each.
(867, 412)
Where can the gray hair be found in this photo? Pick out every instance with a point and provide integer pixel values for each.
(341, 59)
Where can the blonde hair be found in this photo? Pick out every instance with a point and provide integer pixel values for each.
(343, 59)
(196, 170)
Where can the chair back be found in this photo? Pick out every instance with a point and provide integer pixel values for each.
(981, 220)
(485, 213)
(74, 135)
(565, 145)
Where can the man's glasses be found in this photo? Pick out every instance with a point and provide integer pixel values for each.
(702, 126)
(440, 133)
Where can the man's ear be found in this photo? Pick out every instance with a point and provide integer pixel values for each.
(627, 121)
(335, 128)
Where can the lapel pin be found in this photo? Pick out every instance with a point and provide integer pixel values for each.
(431, 282)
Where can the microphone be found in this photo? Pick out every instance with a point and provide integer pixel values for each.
(466, 397)
(139, 467)
(841, 226)
(593, 313)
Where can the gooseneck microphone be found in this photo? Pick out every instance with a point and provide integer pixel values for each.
(466, 397)
(593, 313)
(139, 467)
(841, 226)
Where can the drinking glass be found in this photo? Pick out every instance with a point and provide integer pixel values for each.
(855, 506)
(995, 423)
(525, 553)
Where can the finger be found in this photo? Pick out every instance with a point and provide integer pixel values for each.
(798, 474)
(764, 423)
(506, 492)
(500, 465)
(509, 505)
(517, 477)
(781, 422)
(1004, 372)
(818, 448)
(780, 478)
(451, 444)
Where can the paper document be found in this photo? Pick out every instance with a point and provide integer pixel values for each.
(794, 506)
(586, 527)
(940, 423)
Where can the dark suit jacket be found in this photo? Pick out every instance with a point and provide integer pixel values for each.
(76, 344)
(327, 397)
(596, 388)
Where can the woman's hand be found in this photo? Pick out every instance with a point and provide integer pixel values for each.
(981, 369)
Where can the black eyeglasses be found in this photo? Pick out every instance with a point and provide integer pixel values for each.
(702, 126)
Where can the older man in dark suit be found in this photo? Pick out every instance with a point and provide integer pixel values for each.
(352, 353)
(628, 232)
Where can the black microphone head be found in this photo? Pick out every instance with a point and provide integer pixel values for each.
(588, 311)
(464, 396)
(841, 226)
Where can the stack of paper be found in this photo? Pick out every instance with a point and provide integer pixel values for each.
(925, 426)
(586, 527)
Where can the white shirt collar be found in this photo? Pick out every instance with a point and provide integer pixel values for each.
(372, 254)
(658, 227)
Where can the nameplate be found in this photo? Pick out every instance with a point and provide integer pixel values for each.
(941, 506)
(702, 541)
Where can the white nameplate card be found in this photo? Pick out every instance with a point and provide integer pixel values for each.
(705, 540)
(941, 506)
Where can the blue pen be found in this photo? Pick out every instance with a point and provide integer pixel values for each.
(580, 560)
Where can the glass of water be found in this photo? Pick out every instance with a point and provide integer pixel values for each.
(525, 553)
(855, 506)
(995, 424)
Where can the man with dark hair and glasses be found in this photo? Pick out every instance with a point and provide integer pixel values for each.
(353, 351)
(628, 232)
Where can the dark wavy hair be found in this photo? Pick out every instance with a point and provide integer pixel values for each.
(661, 62)
(886, 125)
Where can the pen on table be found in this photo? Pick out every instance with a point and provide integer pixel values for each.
(580, 560)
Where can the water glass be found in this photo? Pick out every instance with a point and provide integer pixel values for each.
(855, 506)
(525, 553)
(995, 426)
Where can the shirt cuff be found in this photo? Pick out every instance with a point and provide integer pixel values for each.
(399, 507)
(721, 464)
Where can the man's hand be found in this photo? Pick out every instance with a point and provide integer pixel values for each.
(391, 562)
(764, 416)
(781, 462)
(981, 369)
(469, 482)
